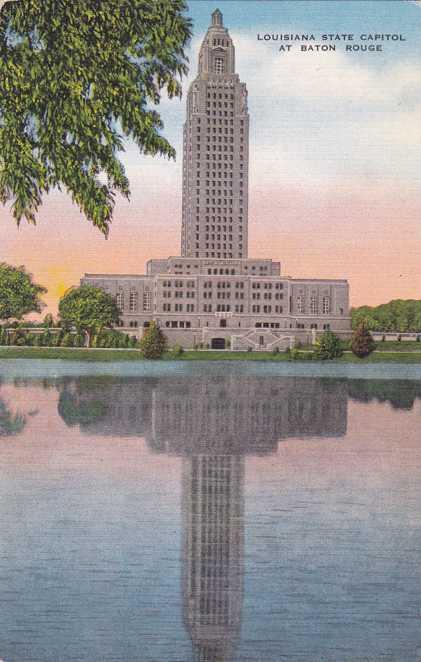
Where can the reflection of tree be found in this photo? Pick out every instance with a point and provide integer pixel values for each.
(10, 423)
(400, 393)
(77, 411)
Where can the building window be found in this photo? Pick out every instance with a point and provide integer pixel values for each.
(133, 301)
(147, 299)
(326, 305)
(120, 301)
(219, 65)
(313, 305)
(300, 304)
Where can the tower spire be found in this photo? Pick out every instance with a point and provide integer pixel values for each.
(217, 18)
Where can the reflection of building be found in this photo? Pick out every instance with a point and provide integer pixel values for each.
(213, 542)
(214, 292)
(213, 423)
(231, 414)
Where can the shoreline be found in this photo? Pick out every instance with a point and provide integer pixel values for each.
(99, 355)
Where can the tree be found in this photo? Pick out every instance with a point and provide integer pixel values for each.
(18, 293)
(76, 79)
(328, 346)
(362, 343)
(48, 321)
(153, 343)
(398, 315)
(89, 309)
(10, 423)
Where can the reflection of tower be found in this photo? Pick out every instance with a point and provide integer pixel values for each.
(213, 540)
(213, 422)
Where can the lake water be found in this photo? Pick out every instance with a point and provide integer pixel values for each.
(209, 513)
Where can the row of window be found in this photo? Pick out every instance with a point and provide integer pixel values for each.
(313, 305)
(178, 283)
(267, 309)
(176, 324)
(268, 295)
(133, 300)
(219, 95)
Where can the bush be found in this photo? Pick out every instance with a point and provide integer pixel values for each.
(249, 349)
(178, 350)
(328, 346)
(67, 340)
(153, 343)
(38, 340)
(275, 350)
(133, 342)
(362, 343)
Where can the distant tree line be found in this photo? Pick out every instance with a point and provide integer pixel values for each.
(399, 315)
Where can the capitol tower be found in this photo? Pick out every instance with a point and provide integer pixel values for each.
(215, 153)
(213, 295)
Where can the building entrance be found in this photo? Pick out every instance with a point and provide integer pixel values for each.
(218, 343)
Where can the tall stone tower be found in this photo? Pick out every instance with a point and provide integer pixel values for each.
(215, 154)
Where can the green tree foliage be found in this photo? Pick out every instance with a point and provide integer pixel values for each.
(10, 423)
(398, 315)
(153, 343)
(89, 309)
(74, 410)
(362, 343)
(48, 321)
(328, 346)
(18, 293)
(77, 78)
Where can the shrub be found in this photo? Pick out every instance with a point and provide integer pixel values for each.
(275, 350)
(79, 340)
(249, 349)
(133, 342)
(328, 346)
(362, 343)
(178, 350)
(38, 340)
(67, 340)
(153, 343)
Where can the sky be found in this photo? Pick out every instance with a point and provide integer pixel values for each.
(335, 158)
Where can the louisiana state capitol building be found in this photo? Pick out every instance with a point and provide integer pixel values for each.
(213, 294)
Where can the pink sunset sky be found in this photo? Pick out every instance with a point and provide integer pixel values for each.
(335, 162)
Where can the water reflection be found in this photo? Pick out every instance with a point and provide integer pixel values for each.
(213, 424)
(336, 519)
(226, 413)
(10, 422)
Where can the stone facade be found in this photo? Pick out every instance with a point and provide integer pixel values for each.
(214, 295)
(215, 153)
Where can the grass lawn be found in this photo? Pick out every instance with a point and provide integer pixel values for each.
(386, 355)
